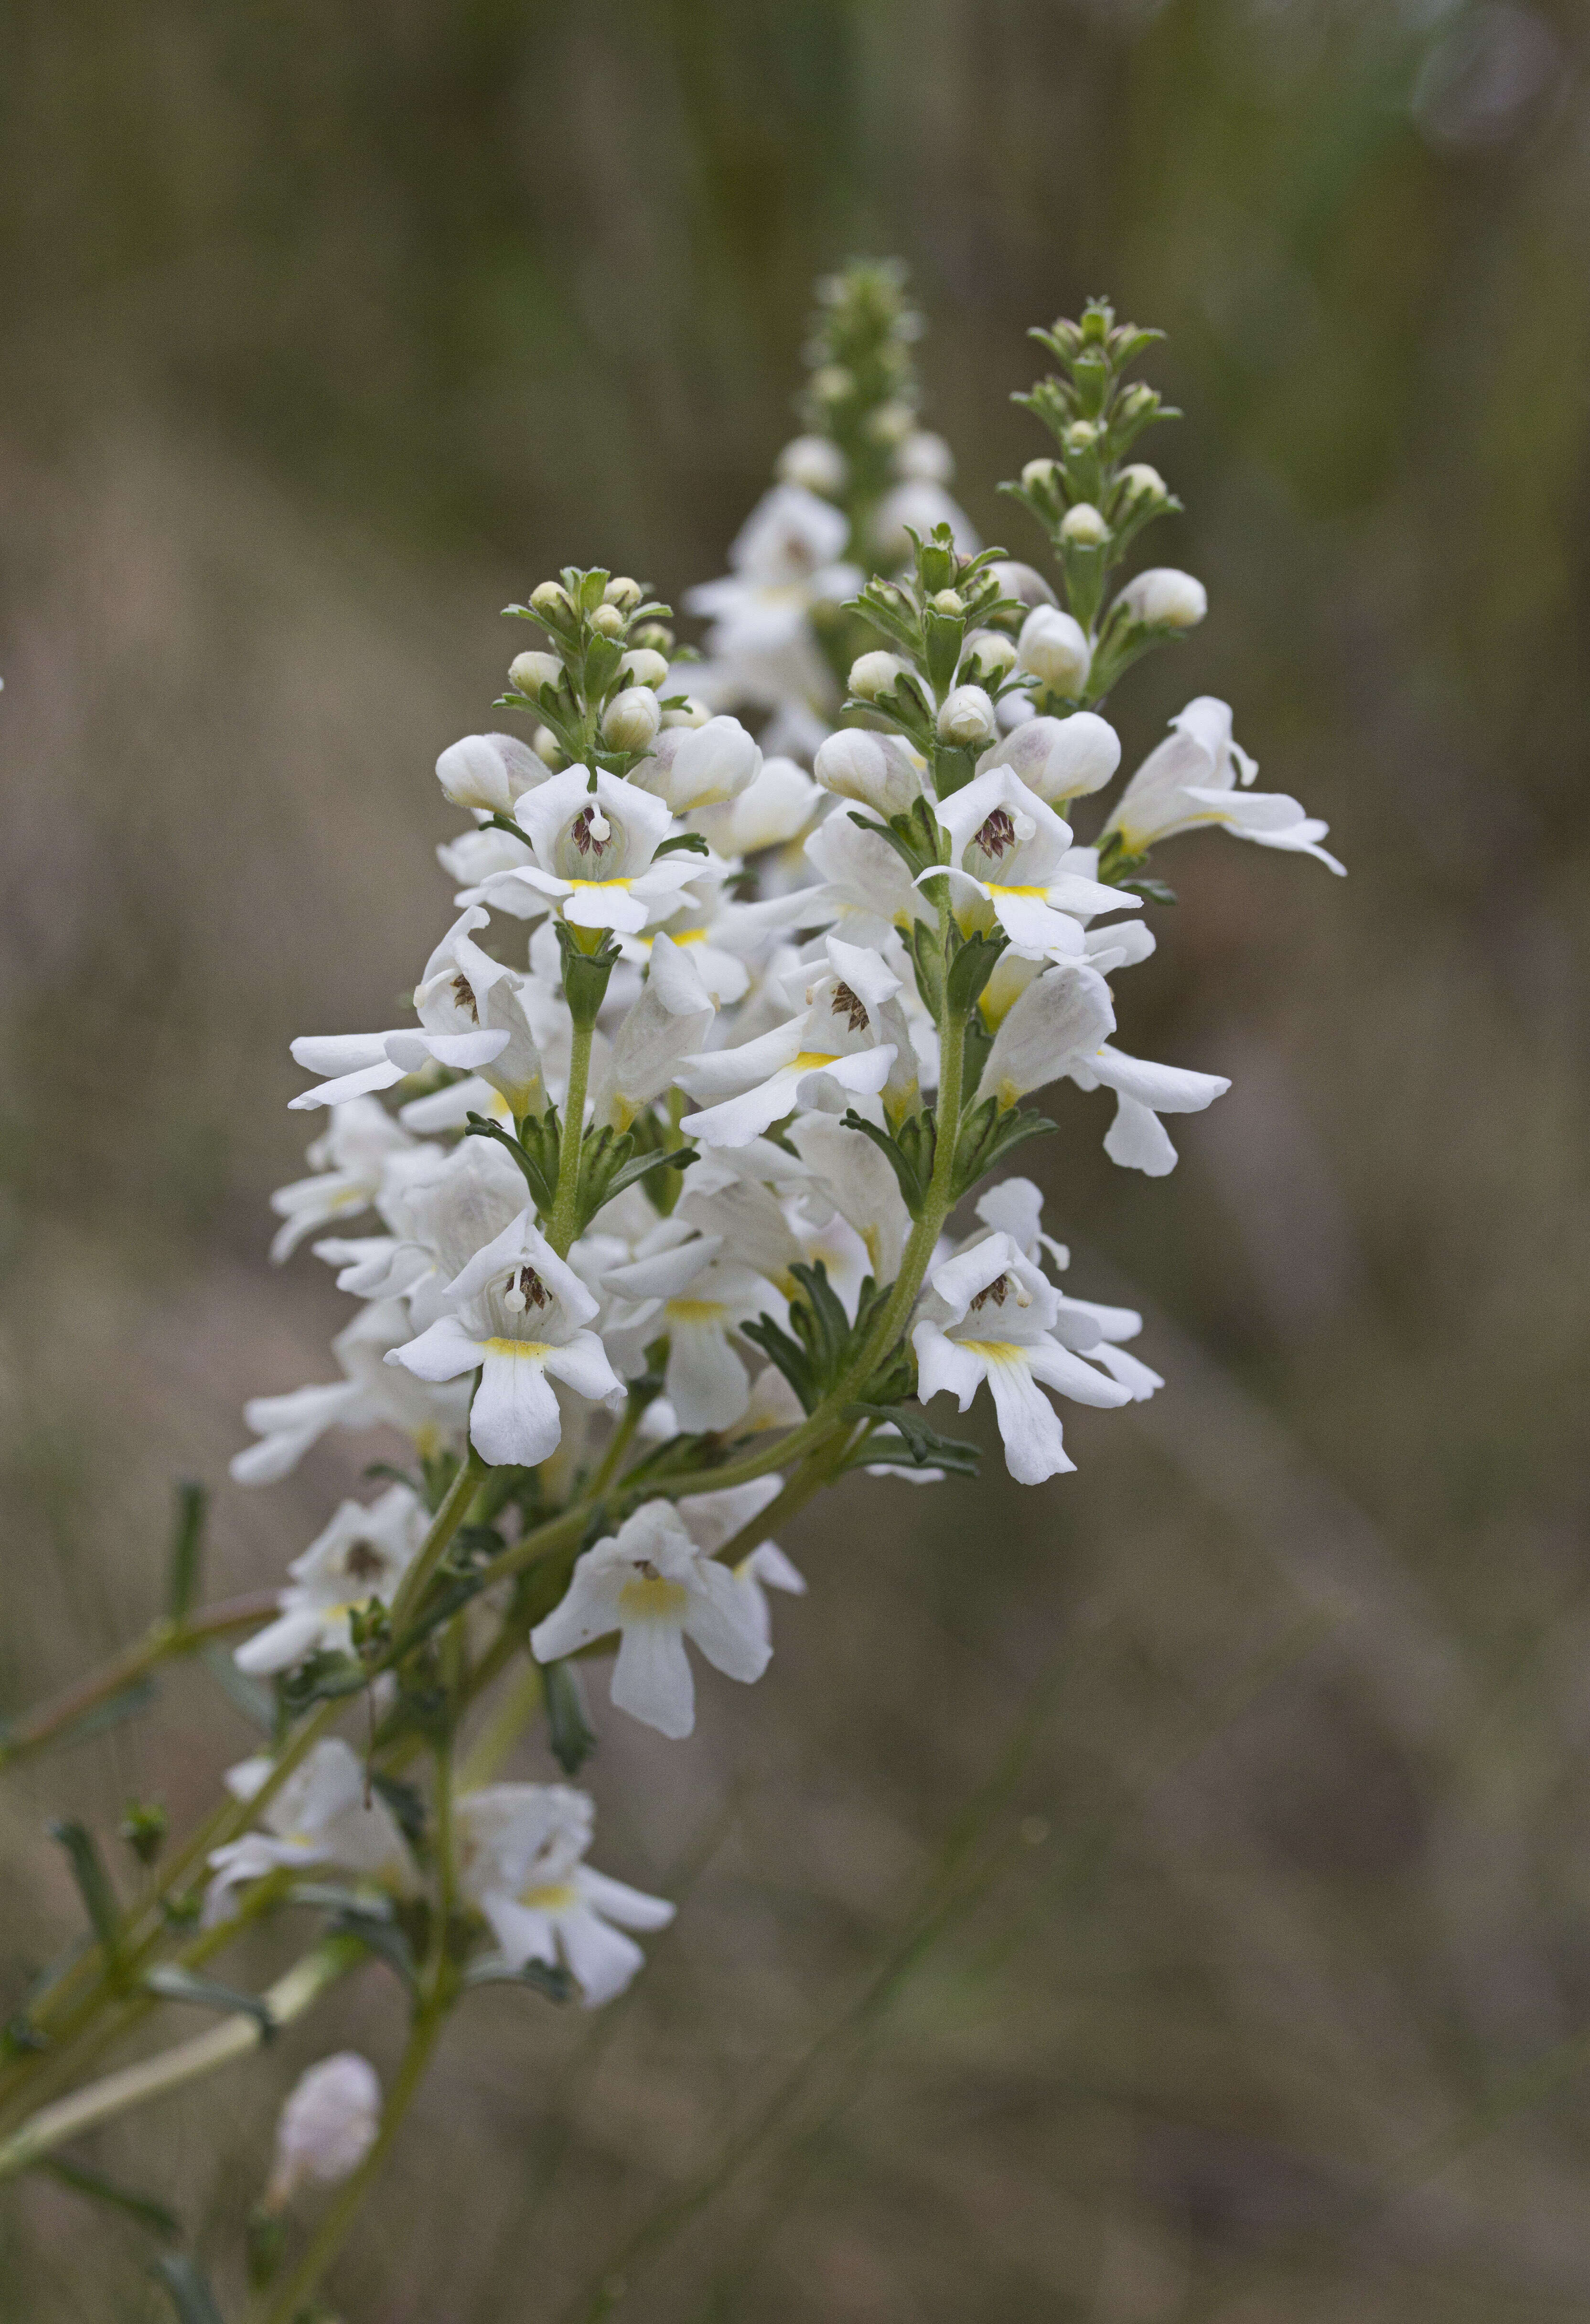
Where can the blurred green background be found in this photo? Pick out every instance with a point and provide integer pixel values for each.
(1157, 1899)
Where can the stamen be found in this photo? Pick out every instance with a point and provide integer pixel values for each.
(464, 994)
(998, 834)
(845, 1004)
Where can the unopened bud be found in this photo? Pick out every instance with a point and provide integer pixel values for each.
(872, 674)
(1038, 475)
(1054, 646)
(993, 652)
(1060, 758)
(1084, 526)
(631, 718)
(1165, 598)
(488, 772)
(644, 666)
(815, 464)
(1138, 399)
(553, 599)
(967, 718)
(327, 2127)
(651, 637)
(948, 601)
(547, 748)
(876, 769)
(622, 591)
(529, 672)
(1140, 482)
(890, 423)
(832, 384)
(1081, 436)
(607, 621)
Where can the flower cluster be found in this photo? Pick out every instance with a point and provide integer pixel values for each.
(684, 1192)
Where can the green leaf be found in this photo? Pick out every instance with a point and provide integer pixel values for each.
(556, 1984)
(909, 1153)
(191, 2294)
(243, 1693)
(383, 1939)
(920, 1447)
(987, 1136)
(99, 1901)
(570, 1732)
(541, 1182)
(127, 1702)
(1152, 892)
(182, 1589)
(323, 1677)
(171, 1983)
(970, 970)
(406, 1802)
(688, 842)
(145, 2209)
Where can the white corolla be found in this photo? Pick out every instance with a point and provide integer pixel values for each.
(1008, 863)
(1199, 775)
(362, 1554)
(595, 845)
(326, 1814)
(521, 1850)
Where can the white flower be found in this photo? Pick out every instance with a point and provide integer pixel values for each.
(362, 1554)
(489, 772)
(518, 1311)
(773, 809)
(350, 1162)
(922, 505)
(595, 856)
(991, 1314)
(1165, 598)
(1137, 1138)
(814, 463)
(1059, 1020)
(866, 886)
(1192, 778)
(477, 853)
(1054, 646)
(850, 1172)
(463, 988)
(368, 1397)
(790, 535)
(700, 766)
(1015, 1207)
(837, 1041)
(878, 770)
(1058, 758)
(651, 1583)
(872, 674)
(668, 1022)
(768, 1568)
(966, 716)
(521, 1850)
(326, 2128)
(323, 1814)
(925, 456)
(686, 1292)
(714, 1518)
(1008, 851)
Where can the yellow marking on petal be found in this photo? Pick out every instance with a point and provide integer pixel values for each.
(696, 1311)
(689, 935)
(1042, 889)
(810, 1060)
(557, 1897)
(600, 883)
(654, 1600)
(539, 1349)
(994, 1352)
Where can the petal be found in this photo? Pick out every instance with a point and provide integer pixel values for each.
(615, 1900)
(514, 1418)
(522, 1934)
(651, 1678)
(1034, 1448)
(279, 1645)
(1137, 1139)
(706, 1383)
(582, 1363)
(440, 1353)
(588, 1610)
(719, 1623)
(603, 1960)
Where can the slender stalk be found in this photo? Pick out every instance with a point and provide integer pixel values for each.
(327, 2240)
(502, 1730)
(434, 1548)
(161, 1643)
(560, 1232)
(233, 2037)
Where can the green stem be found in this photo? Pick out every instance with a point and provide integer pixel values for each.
(233, 2037)
(434, 1548)
(560, 1232)
(160, 1644)
(502, 1730)
(328, 2237)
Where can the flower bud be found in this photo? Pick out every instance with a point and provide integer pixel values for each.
(624, 593)
(876, 770)
(1140, 482)
(694, 713)
(644, 666)
(872, 674)
(547, 747)
(631, 718)
(815, 464)
(326, 2128)
(608, 621)
(925, 458)
(1138, 399)
(652, 637)
(699, 766)
(1058, 758)
(890, 423)
(1081, 436)
(1038, 475)
(529, 672)
(1084, 526)
(832, 384)
(488, 772)
(992, 650)
(948, 601)
(1165, 598)
(1054, 646)
(967, 718)
(551, 598)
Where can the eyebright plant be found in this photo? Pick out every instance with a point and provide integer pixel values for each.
(682, 1196)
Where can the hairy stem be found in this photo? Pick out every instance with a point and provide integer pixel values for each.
(434, 1548)
(560, 1232)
